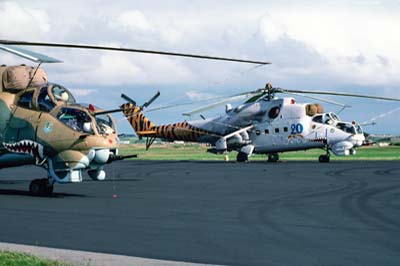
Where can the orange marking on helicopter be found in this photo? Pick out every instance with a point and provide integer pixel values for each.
(146, 132)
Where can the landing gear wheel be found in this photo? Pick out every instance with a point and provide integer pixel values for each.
(273, 157)
(242, 157)
(40, 187)
(324, 158)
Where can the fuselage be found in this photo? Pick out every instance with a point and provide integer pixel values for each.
(268, 125)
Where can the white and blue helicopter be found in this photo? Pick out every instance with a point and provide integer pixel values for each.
(264, 124)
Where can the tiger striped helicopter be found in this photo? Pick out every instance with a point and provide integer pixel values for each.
(264, 124)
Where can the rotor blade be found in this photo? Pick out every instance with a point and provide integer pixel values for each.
(320, 99)
(109, 111)
(146, 104)
(132, 50)
(197, 102)
(373, 120)
(32, 56)
(216, 104)
(128, 99)
(338, 94)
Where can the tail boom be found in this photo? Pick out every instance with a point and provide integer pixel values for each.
(145, 128)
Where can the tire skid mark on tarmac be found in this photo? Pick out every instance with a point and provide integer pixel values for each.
(259, 212)
(357, 205)
(391, 201)
(292, 202)
(350, 186)
(388, 172)
(364, 204)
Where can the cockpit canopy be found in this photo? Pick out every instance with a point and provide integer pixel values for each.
(45, 98)
(351, 128)
(50, 95)
(59, 101)
(76, 119)
(333, 120)
(326, 118)
(61, 94)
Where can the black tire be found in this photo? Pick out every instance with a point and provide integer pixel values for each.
(273, 157)
(49, 189)
(242, 157)
(324, 158)
(35, 187)
(40, 187)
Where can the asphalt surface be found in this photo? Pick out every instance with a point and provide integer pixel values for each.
(288, 213)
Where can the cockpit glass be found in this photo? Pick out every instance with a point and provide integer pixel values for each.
(334, 116)
(317, 119)
(44, 101)
(359, 129)
(76, 119)
(62, 94)
(105, 124)
(346, 127)
(25, 100)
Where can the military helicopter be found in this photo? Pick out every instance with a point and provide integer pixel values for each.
(42, 124)
(264, 124)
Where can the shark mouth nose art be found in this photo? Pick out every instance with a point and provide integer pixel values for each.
(29, 147)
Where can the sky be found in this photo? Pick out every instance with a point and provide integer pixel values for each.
(348, 46)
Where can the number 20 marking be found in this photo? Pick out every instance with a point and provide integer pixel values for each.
(296, 128)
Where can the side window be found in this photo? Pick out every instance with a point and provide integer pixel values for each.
(44, 101)
(317, 119)
(25, 100)
(285, 129)
(276, 130)
(266, 131)
(76, 119)
(274, 112)
(105, 124)
(61, 94)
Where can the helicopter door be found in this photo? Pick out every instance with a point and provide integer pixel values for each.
(23, 121)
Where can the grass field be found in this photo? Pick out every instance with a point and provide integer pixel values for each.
(21, 259)
(198, 152)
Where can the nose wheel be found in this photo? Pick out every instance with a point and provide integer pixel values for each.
(41, 187)
(325, 158)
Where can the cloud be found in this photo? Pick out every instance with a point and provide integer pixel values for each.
(17, 22)
(171, 35)
(82, 92)
(330, 45)
(122, 69)
(132, 21)
(199, 96)
(359, 45)
(271, 29)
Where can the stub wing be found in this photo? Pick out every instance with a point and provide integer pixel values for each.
(147, 133)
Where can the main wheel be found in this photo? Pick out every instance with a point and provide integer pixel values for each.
(242, 157)
(324, 158)
(273, 157)
(40, 187)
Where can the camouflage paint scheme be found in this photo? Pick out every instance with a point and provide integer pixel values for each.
(31, 135)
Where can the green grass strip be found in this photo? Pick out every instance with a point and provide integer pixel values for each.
(198, 152)
(8, 258)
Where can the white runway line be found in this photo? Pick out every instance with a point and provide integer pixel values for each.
(81, 258)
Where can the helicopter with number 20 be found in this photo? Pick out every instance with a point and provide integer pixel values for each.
(264, 124)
